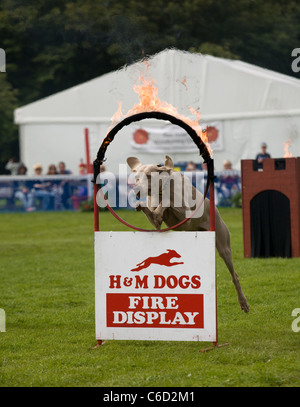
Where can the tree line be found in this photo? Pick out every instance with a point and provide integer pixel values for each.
(51, 45)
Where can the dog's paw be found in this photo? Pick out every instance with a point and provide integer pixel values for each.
(244, 306)
(138, 207)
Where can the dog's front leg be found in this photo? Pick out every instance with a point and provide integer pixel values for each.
(155, 216)
(158, 215)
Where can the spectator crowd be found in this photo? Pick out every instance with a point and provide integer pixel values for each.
(49, 193)
(58, 193)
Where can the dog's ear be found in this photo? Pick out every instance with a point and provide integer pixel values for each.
(133, 163)
(169, 163)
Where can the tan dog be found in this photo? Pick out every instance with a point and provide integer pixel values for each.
(178, 205)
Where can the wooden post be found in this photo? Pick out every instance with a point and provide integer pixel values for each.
(87, 151)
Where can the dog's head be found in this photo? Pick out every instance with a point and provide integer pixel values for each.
(173, 253)
(144, 172)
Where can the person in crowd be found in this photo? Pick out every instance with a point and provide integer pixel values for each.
(191, 166)
(40, 188)
(22, 170)
(52, 170)
(262, 155)
(228, 180)
(55, 189)
(204, 166)
(62, 169)
(23, 192)
(80, 194)
(13, 166)
(24, 195)
(64, 185)
(227, 165)
(82, 167)
(37, 169)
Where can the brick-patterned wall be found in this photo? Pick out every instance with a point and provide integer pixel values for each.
(286, 181)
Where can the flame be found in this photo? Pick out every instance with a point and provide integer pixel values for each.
(183, 82)
(118, 115)
(286, 146)
(149, 101)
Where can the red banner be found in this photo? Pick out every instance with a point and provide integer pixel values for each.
(155, 310)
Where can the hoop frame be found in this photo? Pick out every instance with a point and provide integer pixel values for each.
(204, 152)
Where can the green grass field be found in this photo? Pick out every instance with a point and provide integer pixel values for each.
(47, 292)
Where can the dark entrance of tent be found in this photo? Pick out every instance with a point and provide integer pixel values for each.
(270, 225)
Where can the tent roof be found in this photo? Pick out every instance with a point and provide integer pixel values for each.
(220, 88)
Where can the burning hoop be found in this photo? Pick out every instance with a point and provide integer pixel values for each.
(204, 152)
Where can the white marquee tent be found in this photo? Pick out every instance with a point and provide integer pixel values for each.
(245, 103)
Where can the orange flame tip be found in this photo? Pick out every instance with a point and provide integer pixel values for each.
(286, 146)
(149, 101)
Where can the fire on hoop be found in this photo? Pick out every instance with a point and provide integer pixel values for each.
(149, 101)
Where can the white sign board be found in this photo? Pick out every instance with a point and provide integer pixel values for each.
(155, 286)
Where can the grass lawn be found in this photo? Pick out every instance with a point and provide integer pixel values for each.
(47, 292)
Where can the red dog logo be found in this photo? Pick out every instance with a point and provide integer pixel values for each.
(163, 259)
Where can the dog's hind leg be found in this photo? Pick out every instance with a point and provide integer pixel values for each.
(143, 265)
(224, 249)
